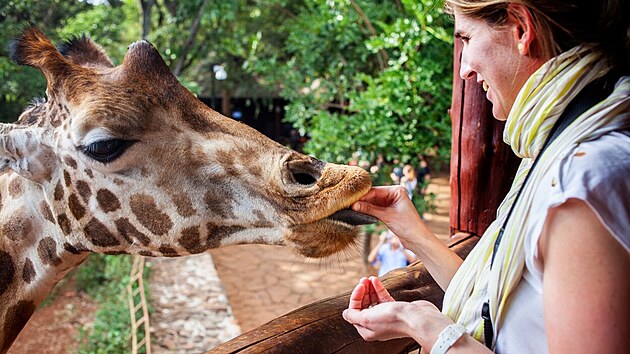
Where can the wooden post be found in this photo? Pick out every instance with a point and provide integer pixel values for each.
(482, 165)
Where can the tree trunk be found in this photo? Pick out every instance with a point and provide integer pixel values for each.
(190, 41)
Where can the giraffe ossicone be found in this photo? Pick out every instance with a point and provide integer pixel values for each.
(124, 160)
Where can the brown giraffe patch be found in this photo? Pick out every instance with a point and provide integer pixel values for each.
(149, 215)
(28, 271)
(64, 223)
(70, 162)
(84, 190)
(75, 249)
(217, 233)
(77, 209)
(218, 200)
(47, 251)
(129, 232)
(7, 271)
(58, 195)
(226, 160)
(168, 251)
(114, 253)
(99, 234)
(107, 200)
(146, 254)
(66, 178)
(14, 320)
(44, 208)
(16, 187)
(17, 226)
(191, 240)
(89, 173)
(262, 220)
(184, 205)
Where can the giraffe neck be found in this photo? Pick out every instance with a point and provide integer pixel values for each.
(32, 257)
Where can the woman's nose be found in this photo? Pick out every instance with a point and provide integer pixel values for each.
(465, 72)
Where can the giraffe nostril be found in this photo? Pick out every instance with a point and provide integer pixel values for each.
(304, 171)
(304, 178)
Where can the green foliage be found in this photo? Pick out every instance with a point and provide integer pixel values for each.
(105, 279)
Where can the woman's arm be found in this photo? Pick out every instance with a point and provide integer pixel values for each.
(372, 256)
(586, 287)
(392, 206)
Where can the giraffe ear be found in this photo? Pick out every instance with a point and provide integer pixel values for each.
(22, 151)
(33, 48)
(83, 51)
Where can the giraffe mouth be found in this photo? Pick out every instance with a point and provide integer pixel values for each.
(352, 217)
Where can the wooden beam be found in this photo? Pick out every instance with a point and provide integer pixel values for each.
(319, 327)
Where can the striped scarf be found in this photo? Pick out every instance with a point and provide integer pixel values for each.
(538, 106)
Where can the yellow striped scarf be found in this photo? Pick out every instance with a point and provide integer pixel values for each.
(538, 106)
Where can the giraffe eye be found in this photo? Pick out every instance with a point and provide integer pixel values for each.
(107, 150)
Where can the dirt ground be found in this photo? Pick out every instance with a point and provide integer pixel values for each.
(262, 282)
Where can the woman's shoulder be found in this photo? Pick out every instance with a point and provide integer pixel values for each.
(600, 161)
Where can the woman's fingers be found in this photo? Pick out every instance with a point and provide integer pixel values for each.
(357, 297)
(379, 289)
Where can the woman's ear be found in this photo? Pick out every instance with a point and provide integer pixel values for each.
(520, 18)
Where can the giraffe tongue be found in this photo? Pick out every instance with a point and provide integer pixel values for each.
(353, 218)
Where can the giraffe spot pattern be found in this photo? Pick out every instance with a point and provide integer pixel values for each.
(58, 195)
(217, 233)
(99, 235)
(66, 178)
(16, 187)
(47, 251)
(146, 254)
(14, 320)
(129, 232)
(70, 162)
(149, 215)
(184, 205)
(44, 209)
(226, 160)
(218, 200)
(77, 209)
(64, 223)
(84, 190)
(17, 226)
(107, 200)
(168, 251)
(89, 173)
(74, 249)
(28, 271)
(7, 271)
(191, 240)
(114, 253)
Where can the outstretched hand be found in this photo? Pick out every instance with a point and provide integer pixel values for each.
(372, 311)
(377, 316)
(391, 205)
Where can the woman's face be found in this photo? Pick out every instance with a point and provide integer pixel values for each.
(490, 54)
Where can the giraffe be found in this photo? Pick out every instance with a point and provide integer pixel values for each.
(125, 160)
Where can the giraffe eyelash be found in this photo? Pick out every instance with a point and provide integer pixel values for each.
(106, 151)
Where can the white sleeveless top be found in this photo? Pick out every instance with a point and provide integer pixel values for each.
(597, 172)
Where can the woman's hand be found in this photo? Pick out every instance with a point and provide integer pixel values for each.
(391, 205)
(377, 316)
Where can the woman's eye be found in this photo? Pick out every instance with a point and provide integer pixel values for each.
(107, 150)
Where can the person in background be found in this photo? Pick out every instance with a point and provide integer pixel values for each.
(389, 253)
(423, 174)
(409, 180)
(552, 273)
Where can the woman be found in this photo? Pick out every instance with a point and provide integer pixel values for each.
(559, 281)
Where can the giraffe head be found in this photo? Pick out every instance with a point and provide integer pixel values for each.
(128, 161)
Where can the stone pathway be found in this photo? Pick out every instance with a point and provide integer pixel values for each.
(191, 312)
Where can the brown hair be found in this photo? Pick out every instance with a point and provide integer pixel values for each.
(564, 24)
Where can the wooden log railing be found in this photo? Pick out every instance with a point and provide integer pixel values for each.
(318, 328)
